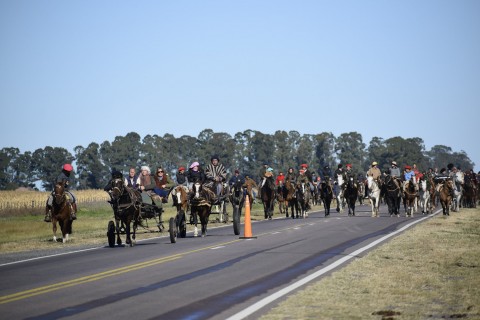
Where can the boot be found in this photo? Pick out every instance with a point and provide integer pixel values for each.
(48, 214)
(73, 214)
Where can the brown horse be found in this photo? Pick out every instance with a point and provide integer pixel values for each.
(409, 198)
(281, 195)
(182, 206)
(445, 191)
(61, 212)
(291, 200)
(126, 203)
(200, 206)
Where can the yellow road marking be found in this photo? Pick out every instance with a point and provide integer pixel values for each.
(110, 273)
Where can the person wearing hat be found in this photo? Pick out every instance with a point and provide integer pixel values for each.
(235, 178)
(216, 175)
(374, 171)
(147, 186)
(64, 177)
(327, 173)
(309, 175)
(195, 174)
(180, 180)
(261, 172)
(349, 174)
(395, 170)
(409, 175)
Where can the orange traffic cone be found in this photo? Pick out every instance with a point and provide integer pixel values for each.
(247, 232)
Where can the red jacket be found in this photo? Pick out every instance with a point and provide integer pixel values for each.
(280, 178)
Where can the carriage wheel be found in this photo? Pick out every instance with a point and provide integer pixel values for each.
(236, 220)
(111, 234)
(172, 228)
(182, 224)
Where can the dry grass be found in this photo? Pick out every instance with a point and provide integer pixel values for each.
(430, 271)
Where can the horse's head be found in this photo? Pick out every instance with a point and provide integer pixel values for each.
(59, 192)
(197, 188)
(423, 185)
(340, 180)
(459, 177)
(118, 188)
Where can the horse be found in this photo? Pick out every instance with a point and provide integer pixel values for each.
(391, 188)
(249, 187)
(351, 193)
(445, 194)
(268, 197)
(374, 190)
(424, 196)
(409, 198)
(126, 203)
(340, 193)
(281, 196)
(237, 199)
(361, 192)
(200, 206)
(303, 197)
(458, 181)
(61, 212)
(469, 193)
(291, 200)
(326, 194)
(433, 193)
(182, 205)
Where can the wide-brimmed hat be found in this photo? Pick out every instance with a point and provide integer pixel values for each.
(394, 163)
(374, 163)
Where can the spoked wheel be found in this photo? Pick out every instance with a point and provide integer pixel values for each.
(111, 234)
(236, 220)
(182, 224)
(172, 228)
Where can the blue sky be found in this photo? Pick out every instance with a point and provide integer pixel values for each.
(75, 72)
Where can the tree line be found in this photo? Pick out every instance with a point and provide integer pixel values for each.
(246, 151)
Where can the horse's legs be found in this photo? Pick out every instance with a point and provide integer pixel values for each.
(117, 229)
(54, 228)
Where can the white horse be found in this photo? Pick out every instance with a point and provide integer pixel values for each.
(374, 195)
(340, 195)
(424, 197)
(458, 181)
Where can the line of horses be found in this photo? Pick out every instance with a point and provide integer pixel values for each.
(294, 200)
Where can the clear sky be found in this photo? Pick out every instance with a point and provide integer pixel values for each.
(76, 72)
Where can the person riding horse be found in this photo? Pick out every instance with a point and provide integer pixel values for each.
(180, 180)
(64, 177)
(409, 176)
(375, 173)
(216, 175)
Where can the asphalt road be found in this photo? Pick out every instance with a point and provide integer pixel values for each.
(213, 277)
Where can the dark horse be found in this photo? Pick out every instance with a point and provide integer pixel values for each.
(61, 212)
(445, 192)
(391, 191)
(351, 194)
(126, 203)
(326, 194)
(409, 198)
(282, 193)
(237, 199)
(303, 197)
(200, 206)
(291, 200)
(268, 197)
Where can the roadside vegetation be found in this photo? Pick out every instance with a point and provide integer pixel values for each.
(431, 271)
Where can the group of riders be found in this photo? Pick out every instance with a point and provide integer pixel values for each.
(157, 187)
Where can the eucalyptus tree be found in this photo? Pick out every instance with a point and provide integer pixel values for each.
(241, 158)
(263, 149)
(306, 151)
(48, 164)
(91, 171)
(350, 148)
(282, 154)
(376, 152)
(8, 174)
(325, 150)
(187, 151)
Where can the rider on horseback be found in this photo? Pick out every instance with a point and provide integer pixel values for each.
(409, 175)
(375, 173)
(63, 177)
(216, 175)
(350, 174)
(181, 180)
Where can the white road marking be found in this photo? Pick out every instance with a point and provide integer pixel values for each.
(277, 295)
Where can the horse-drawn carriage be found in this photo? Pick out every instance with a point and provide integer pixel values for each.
(130, 206)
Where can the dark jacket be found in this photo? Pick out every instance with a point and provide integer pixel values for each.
(196, 176)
